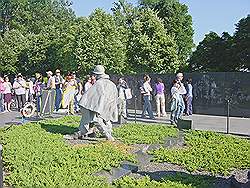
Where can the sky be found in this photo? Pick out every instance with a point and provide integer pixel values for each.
(208, 15)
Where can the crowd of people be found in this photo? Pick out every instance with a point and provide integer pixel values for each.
(180, 102)
(66, 91)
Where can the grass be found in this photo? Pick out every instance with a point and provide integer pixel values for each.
(144, 133)
(213, 152)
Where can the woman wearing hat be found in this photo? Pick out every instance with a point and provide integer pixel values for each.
(69, 92)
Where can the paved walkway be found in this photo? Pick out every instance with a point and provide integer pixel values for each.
(200, 122)
(206, 122)
(15, 118)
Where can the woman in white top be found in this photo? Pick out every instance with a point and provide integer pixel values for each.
(20, 90)
(7, 93)
(146, 90)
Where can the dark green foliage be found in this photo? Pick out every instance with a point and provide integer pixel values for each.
(212, 152)
(35, 36)
(41, 35)
(100, 42)
(144, 133)
(242, 43)
(225, 53)
(177, 22)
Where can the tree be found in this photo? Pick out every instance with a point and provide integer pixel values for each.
(11, 45)
(242, 43)
(225, 53)
(33, 15)
(100, 42)
(177, 23)
(46, 26)
(150, 49)
(214, 54)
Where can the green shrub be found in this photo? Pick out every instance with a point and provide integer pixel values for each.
(36, 158)
(209, 151)
(172, 181)
(144, 133)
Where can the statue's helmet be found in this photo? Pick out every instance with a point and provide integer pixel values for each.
(99, 70)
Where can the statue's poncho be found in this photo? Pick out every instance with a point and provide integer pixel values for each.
(102, 98)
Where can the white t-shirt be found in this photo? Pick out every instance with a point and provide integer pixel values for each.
(7, 86)
(190, 90)
(19, 87)
(147, 88)
(174, 90)
(182, 89)
(87, 86)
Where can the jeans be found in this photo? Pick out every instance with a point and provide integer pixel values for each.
(189, 108)
(147, 106)
(21, 100)
(1, 102)
(58, 99)
(181, 108)
(38, 103)
(173, 116)
(76, 104)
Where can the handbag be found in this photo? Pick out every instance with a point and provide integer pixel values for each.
(128, 93)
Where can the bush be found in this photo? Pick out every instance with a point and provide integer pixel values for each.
(172, 181)
(34, 157)
(209, 151)
(144, 133)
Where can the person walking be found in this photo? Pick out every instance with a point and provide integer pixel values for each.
(19, 86)
(7, 93)
(160, 98)
(78, 92)
(146, 90)
(31, 91)
(1, 94)
(59, 83)
(189, 98)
